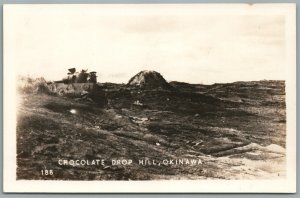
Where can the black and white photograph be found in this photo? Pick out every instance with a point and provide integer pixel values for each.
(150, 93)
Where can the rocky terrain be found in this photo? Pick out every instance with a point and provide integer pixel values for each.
(237, 131)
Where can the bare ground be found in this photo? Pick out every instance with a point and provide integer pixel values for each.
(237, 130)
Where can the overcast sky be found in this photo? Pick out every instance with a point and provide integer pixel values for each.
(188, 43)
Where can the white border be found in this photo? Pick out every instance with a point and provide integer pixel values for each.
(287, 185)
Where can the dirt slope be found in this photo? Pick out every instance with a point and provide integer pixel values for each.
(237, 130)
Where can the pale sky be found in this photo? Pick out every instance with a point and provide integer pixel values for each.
(184, 43)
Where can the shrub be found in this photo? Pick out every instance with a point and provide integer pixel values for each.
(32, 85)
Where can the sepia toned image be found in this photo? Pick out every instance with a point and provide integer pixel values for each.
(158, 93)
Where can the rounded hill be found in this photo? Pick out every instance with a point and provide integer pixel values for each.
(149, 79)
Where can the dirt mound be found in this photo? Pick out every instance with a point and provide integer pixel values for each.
(149, 79)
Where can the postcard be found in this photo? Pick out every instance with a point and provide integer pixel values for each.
(116, 98)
